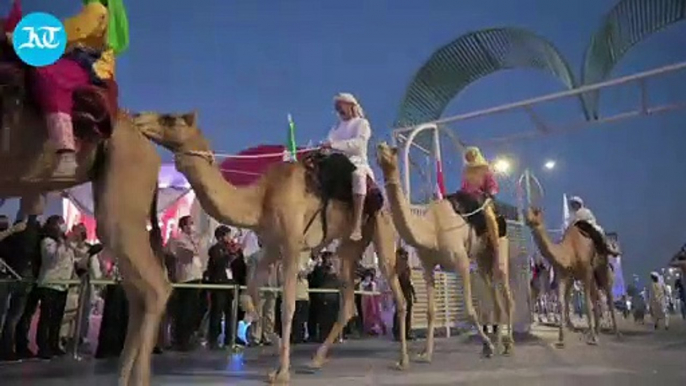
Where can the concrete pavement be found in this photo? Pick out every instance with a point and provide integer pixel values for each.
(641, 357)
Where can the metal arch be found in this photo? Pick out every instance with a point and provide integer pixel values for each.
(406, 153)
(470, 57)
(628, 23)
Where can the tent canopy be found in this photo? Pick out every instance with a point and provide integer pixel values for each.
(172, 185)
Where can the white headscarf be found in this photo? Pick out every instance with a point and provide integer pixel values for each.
(577, 199)
(350, 98)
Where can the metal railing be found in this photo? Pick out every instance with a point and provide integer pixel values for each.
(83, 301)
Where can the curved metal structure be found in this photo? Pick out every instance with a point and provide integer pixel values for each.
(470, 57)
(627, 24)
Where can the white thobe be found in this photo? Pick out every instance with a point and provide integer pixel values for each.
(352, 139)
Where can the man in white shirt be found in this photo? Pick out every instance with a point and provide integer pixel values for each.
(351, 138)
(581, 213)
(185, 247)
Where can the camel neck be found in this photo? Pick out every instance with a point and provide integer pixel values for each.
(229, 204)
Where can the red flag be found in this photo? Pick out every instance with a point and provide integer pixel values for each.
(13, 17)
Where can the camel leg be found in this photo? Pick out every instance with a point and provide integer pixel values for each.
(430, 279)
(384, 242)
(460, 260)
(129, 353)
(611, 306)
(592, 336)
(291, 262)
(348, 252)
(562, 285)
(568, 315)
(597, 308)
(506, 292)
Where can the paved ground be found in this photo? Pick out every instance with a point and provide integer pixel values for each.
(641, 357)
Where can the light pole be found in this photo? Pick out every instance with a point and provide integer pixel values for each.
(526, 180)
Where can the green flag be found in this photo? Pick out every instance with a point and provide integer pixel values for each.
(292, 148)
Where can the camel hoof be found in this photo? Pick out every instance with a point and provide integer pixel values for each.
(424, 357)
(316, 364)
(508, 348)
(559, 344)
(592, 341)
(487, 350)
(402, 364)
(279, 377)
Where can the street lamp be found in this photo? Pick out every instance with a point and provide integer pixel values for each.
(549, 165)
(502, 166)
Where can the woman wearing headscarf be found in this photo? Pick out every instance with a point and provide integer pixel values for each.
(479, 182)
(94, 37)
(351, 138)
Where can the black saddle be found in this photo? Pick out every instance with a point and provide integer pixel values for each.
(589, 231)
(465, 204)
(331, 176)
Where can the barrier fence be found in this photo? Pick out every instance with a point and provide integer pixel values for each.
(84, 301)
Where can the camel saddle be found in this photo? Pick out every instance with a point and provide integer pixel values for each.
(588, 230)
(330, 176)
(465, 205)
(94, 106)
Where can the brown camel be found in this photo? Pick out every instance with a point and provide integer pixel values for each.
(279, 207)
(443, 237)
(575, 258)
(124, 170)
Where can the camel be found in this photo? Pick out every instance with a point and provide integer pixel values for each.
(575, 258)
(442, 237)
(123, 170)
(679, 260)
(288, 218)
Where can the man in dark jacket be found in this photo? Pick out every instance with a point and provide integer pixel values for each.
(21, 252)
(219, 271)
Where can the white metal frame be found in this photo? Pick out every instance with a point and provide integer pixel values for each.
(405, 136)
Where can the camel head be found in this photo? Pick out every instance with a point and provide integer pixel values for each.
(387, 158)
(176, 132)
(534, 217)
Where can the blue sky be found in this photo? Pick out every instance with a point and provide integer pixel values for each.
(243, 65)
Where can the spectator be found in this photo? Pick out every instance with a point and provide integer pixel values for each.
(315, 280)
(302, 298)
(221, 300)
(239, 269)
(262, 330)
(330, 300)
(13, 295)
(29, 246)
(681, 293)
(57, 264)
(404, 275)
(189, 270)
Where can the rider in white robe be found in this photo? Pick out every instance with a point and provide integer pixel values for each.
(581, 213)
(351, 138)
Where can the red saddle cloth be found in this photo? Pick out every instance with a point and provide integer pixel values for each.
(94, 106)
(250, 164)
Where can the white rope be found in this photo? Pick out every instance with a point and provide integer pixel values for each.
(255, 156)
(470, 214)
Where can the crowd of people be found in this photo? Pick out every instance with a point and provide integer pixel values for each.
(44, 256)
